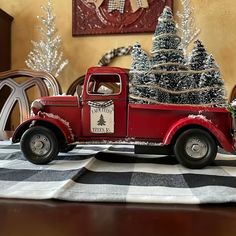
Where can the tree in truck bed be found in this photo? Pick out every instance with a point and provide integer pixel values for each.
(168, 78)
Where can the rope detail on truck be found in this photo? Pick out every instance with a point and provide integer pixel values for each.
(153, 71)
(152, 101)
(176, 91)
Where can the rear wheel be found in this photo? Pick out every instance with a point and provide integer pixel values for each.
(39, 145)
(195, 148)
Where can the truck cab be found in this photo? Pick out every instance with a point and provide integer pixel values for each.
(104, 96)
(102, 113)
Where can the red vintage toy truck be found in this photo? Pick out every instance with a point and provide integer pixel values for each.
(101, 113)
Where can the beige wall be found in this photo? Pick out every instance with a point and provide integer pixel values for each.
(215, 18)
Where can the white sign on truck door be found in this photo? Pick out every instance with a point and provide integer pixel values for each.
(102, 119)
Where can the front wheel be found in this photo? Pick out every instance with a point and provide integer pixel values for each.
(39, 145)
(195, 148)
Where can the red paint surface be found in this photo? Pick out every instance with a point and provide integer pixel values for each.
(136, 122)
(161, 122)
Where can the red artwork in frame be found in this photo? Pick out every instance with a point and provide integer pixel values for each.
(89, 20)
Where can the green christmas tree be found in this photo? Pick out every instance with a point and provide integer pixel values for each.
(170, 79)
(140, 60)
(101, 121)
(165, 49)
(207, 77)
(198, 56)
(166, 57)
(138, 74)
(212, 78)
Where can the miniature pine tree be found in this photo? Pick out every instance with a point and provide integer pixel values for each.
(203, 95)
(197, 63)
(167, 56)
(140, 60)
(139, 67)
(46, 55)
(198, 56)
(170, 80)
(214, 72)
(213, 79)
(165, 51)
(101, 121)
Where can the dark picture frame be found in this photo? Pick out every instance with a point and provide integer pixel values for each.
(89, 20)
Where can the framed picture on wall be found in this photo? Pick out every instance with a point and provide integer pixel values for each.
(94, 17)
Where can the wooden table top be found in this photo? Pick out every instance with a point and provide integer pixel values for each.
(48, 218)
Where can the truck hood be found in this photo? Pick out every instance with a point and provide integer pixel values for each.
(58, 101)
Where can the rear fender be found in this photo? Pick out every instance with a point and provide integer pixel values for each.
(51, 121)
(187, 122)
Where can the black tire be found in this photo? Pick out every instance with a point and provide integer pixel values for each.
(67, 148)
(195, 148)
(39, 145)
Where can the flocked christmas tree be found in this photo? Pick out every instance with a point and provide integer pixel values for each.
(168, 57)
(207, 75)
(198, 57)
(213, 80)
(165, 50)
(46, 54)
(140, 60)
(170, 80)
(138, 74)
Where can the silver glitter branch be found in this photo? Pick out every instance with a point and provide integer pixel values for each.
(46, 55)
(187, 27)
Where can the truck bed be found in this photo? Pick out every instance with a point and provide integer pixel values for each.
(148, 121)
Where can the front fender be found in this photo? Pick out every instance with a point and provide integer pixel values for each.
(47, 120)
(200, 122)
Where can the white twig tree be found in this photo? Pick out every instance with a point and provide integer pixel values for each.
(187, 26)
(46, 54)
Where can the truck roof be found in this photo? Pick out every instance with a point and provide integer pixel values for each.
(107, 69)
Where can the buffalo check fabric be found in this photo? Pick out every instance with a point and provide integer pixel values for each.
(115, 174)
(116, 5)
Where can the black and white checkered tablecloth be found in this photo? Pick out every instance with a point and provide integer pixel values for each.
(113, 173)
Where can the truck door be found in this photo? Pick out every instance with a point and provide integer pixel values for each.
(104, 106)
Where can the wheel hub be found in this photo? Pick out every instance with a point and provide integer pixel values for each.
(196, 148)
(40, 144)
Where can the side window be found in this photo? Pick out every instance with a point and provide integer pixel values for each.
(104, 84)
